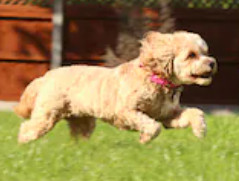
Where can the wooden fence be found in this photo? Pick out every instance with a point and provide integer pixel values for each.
(25, 47)
(26, 43)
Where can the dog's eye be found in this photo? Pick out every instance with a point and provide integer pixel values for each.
(192, 55)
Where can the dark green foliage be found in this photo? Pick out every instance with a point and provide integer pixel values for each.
(215, 4)
(222, 4)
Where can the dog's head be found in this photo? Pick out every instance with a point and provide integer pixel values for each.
(181, 57)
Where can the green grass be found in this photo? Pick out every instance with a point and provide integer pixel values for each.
(113, 155)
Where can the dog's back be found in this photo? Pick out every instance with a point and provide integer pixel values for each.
(27, 100)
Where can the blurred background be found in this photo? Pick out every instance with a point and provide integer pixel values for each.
(37, 35)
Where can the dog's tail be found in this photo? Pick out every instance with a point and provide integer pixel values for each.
(27, 100)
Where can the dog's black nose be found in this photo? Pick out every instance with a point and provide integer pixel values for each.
(212, 65)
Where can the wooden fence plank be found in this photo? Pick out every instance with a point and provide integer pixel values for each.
(25, 12)
(85, 40)
(90, 11)
(16, 76)
(24, 40)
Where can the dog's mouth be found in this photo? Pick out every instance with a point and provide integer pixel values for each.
(205, 75)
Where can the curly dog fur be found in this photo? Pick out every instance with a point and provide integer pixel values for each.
(123, 96)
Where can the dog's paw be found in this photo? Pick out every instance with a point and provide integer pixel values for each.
(149, 132)
(25, 134)
(197, 122)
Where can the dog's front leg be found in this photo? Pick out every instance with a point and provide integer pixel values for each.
(147, 126)
(188, 117)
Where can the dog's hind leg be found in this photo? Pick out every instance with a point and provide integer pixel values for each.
(81, 126)
(44, 116)
(37, 126)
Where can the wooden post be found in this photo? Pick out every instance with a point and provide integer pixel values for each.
(57, 34)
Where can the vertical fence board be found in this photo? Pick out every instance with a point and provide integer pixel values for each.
(14, 77)
(25, 47)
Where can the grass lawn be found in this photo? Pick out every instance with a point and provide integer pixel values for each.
(113, 155)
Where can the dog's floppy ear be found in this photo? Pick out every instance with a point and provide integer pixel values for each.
(156, 53)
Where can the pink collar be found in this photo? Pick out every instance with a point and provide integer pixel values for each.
(163, 82)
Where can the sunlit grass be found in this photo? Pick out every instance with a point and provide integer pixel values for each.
(113, 155)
